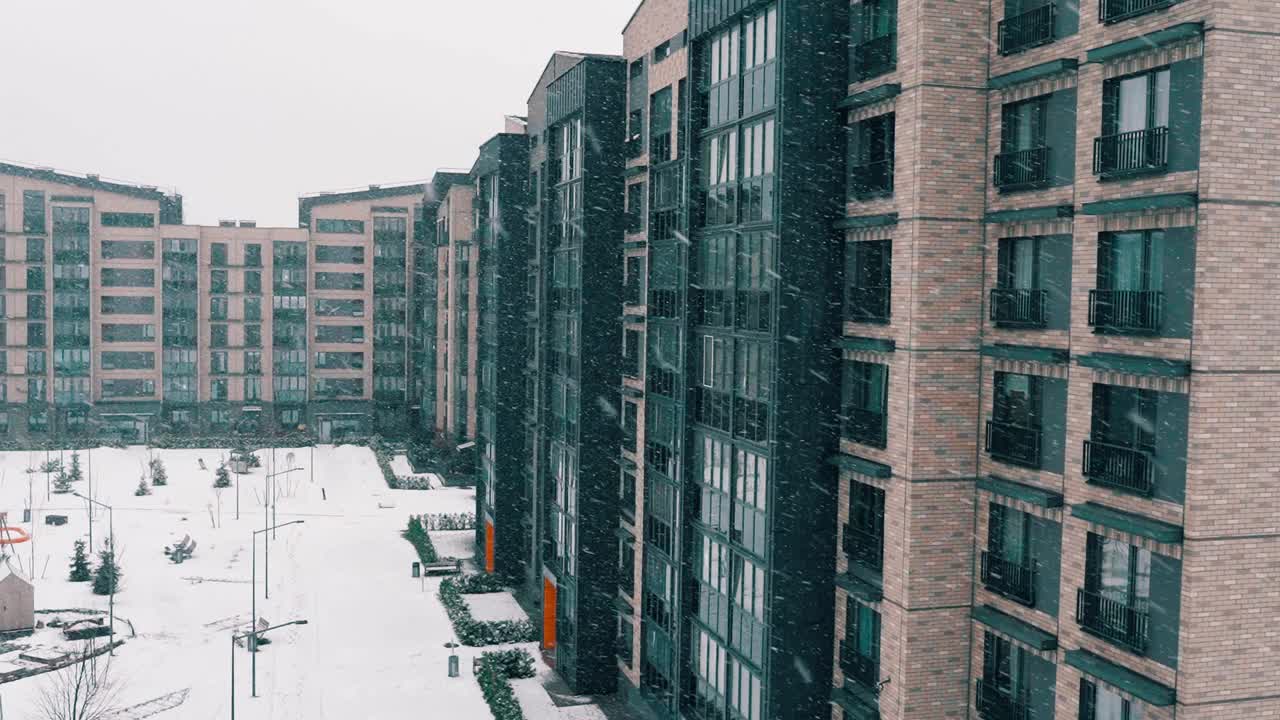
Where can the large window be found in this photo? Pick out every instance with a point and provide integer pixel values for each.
(871, 155)
(759, 61)
(1101, 702)
(128, 220)
(327, 225)
(1129, 297)
(1116, 600)
(720, 160)
(339, 281)
(869, 271)
(1005, 684)
(758, 144)
(864, 535)
(128, 277)
(866, 398)
(1135, 125)
(340, 254)
(1023, 161)
(33, 211)
(128, 249)
(1008, 566)
(860, 648)
(1013, 434)
(874, 40)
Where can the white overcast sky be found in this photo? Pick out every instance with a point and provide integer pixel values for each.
(242, 105)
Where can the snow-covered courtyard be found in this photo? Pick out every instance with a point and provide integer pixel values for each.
(374, 643)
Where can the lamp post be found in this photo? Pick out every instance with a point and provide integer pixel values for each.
(237, 636)
(111, 539)
(253, 617)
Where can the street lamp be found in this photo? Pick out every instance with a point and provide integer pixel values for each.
(111, 539)
(254, 649)
(253, 618)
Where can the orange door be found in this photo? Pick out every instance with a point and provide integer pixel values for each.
(488, 547)
(548, 614)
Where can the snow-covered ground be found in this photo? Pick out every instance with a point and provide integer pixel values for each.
(374, 645)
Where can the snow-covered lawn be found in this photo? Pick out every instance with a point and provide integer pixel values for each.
(373, 647)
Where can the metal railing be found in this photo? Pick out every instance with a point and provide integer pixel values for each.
(1016, 581)
(1028, 30)
(875, 57)
(1015, 307)
(865, 426)
(1131, 153)
(1140, 311)
(873, 179)
(1119, 467)
(1126, 624)
(869, 304)
(996, 704)
(1110, 11)
(863, 547)
(1022, 168)
(1016, 444)
(859, 668)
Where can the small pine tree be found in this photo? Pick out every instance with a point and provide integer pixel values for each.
(62, 483)
(143, 487)
(223, 477)
(75, 474)
(80, 564)
(158, 474)
(51, 466)
(106, 578)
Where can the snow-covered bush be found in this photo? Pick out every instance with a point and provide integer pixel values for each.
(476, 633)
(494, 673)
(417, 536)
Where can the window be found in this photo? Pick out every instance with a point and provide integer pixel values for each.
(128, 249)
(179, 389)
(724, 56)
(1023, 161)
(327, 307)
(33, 214)
(217, 308)
(1018, 300)
(289, 388)
(1121, 447)
(338, 387)
(1004, 685)
(1031, 23)
(758, 144)
(860, 649)
(217, 335)
(1013, 434)
(324, 225)
(339, 361)
(125, 305)
(871, 157)
(1129, 298)
(114, 360)
(873, 50)
(128, 333)
(753, 380)
(36, 307)
(759, 60)
(36, 389)
(218, 281)
(70, 361)
(128, 277)
(1135, 125)
(863, 541)
(35, 277)
(720, 159)
(339, 334)
(181, 246)
(253, 255)
(218, 361)
(253, 336)
(36, 335)
(219, 418)
(218, 254)
(866, 397)
(252, 281)
(869, 269)
(1007, 565)
(1115, 601)
(253, 389)
(253, 309)
(660, 121)
(342, 254)
(635, 207)
(339, 281)
(128, 220)
(128, 388)
(218, 389)
(1100, 702)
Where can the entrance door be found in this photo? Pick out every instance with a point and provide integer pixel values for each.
(488, 547)
(326, 430)
(548, 614)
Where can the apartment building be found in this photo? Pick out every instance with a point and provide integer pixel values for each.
(576, 125)
(654, 45)
(503, 497)
(457, 313)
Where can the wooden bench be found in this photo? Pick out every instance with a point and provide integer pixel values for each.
(442, 567)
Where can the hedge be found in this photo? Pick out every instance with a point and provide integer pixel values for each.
(420, 540)
(496, 670)
(476, 633)
(450, 521)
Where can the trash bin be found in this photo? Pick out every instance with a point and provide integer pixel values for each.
(417, 569)
(453, 666)
(26, 514)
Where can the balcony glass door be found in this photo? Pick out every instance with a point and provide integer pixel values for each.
(1142, 102)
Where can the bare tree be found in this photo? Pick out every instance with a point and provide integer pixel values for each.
(83, 690)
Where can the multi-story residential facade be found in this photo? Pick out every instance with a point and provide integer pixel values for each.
(576, 128)
(503, 498)
(457, 313)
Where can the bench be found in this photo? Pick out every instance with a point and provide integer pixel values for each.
(55, 519)
(450, 566)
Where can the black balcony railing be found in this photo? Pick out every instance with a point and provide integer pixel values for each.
(873, 180)
(1016, 581)
(1015, 444)
(1131, 153)
(662, 303)
(1110, 11)
(1123, 623)
(865, 426)
(1022, 169)
(1028, 30)
(660, 148)
(876, 56)
(1017, 307)
(863, 547)
(859, 668)
(1119, 467)
(868, 304)
(1126, 311)
(995, 703)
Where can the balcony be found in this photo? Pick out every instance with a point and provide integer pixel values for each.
(863, 547)
(875, 57)
(859, 668)
(1022, 169)
(1016, 581)
(867, 304)
(633, 223)
(1013, 444)
(1125, 624)
(996, 704)
(1018, 308)
(1028, 30)
(662, 303)
(1119, 467)
(1126, 311)
(1113, 11)
(872, 180)
(1139, 152)
(865, 426)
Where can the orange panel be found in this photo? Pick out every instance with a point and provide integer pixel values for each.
(548, 614)
(488, 547)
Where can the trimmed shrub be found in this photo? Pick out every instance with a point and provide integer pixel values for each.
(476, 633)
(494, 673)
(421, 541)
(450, 521)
